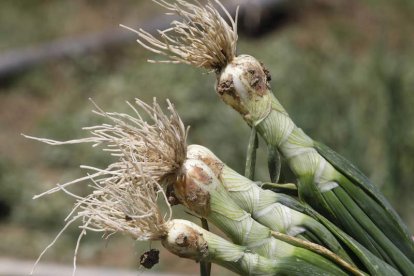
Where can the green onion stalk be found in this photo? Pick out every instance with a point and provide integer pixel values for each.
(326, 181)
(148, 154)
(201, 192)
(285, 214)
(189, 240)
(265, 206)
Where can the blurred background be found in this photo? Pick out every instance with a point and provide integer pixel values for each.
(344, 70)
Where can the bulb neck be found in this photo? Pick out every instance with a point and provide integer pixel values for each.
(244, 85)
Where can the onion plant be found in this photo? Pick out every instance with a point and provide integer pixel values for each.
(326, 180)
(285, 214)
(129, 205)
(153, 153)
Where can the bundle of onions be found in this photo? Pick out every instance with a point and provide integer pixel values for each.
(128, 204)
(285, 214)
(326, 181)
(156, 152)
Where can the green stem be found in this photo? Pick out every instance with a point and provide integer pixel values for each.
(205, 266)
(267, 208)
(303, 262)
(251, 154)
(319, 250)
(205, 195)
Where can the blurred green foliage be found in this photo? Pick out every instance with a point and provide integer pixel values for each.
(344, 71)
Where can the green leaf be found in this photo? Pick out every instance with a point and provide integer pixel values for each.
(391, 253)
(371, 263)
(359, 179)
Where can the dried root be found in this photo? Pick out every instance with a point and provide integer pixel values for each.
(203, 38)
(159, 147)
(127, 205)
(125, 194)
